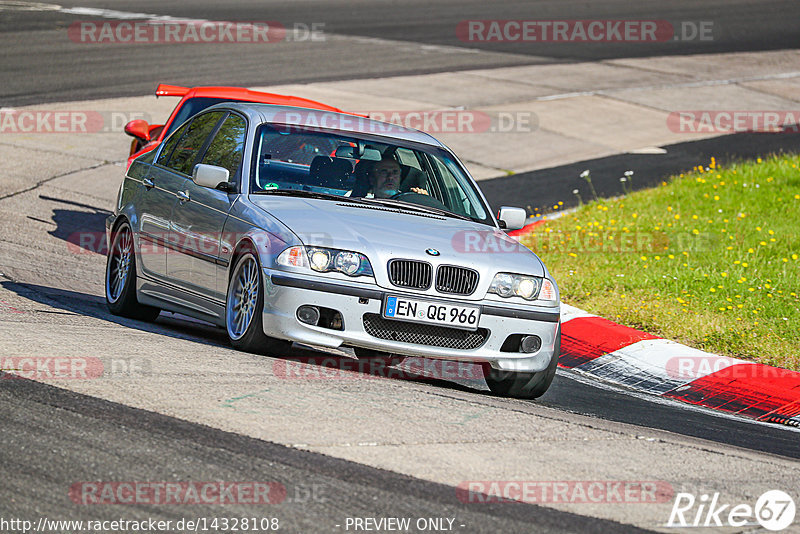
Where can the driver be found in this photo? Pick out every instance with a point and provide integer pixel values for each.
(385, 179)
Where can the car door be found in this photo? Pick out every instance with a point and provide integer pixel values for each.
(174, 168)
(199, 218)
(155, 204)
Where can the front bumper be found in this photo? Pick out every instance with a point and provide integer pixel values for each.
(285, 292)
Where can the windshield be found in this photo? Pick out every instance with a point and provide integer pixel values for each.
(332, 165)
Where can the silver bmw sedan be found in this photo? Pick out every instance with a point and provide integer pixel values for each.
(284, 224)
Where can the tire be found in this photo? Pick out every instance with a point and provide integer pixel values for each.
(523, 385)
(244, 306)
(381, 358)
(121, 278)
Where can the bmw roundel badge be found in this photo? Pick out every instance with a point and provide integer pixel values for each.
(433, 252)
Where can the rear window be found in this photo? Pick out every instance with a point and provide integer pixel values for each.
(193, 106)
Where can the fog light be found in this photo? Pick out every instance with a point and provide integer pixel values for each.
(530, 344)
(308, 315)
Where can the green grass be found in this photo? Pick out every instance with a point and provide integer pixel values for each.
(709, 259)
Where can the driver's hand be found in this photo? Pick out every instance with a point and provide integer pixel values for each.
(419, 191)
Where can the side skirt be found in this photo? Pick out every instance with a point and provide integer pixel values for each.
(178, 300)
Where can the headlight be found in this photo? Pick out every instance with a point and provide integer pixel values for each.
(525, 288)
(509, 285)
(503, 285)
(320, 259)
(323, 260)
(349, 262)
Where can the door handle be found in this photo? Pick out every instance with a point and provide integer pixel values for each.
(183, 196)
(148, 183)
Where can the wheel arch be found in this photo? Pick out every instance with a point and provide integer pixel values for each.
(121, 218)
(244, 245)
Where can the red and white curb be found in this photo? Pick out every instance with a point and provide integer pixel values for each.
(643, 362)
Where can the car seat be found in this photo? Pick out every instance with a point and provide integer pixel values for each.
(362, 185)
(411, 177)
(334, 173)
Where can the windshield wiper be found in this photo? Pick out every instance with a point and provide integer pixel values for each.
(419, 208)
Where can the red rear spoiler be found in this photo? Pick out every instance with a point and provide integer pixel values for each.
(242, 94)
(171, 90)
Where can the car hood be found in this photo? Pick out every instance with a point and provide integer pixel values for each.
(386, 233)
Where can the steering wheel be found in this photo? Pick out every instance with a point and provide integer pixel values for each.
(418, 198)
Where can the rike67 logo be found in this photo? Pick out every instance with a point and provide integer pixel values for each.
(774, 510)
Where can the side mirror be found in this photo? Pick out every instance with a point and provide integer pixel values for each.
(209, 176)
(138, 129)
(513, 218)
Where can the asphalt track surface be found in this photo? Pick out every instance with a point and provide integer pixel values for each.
(52, 437)
(568, 392)
(556, 184)
(367, 39)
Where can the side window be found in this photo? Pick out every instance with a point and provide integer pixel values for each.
(186, 151)
(226, 148)
(458, 199)
(169, 144)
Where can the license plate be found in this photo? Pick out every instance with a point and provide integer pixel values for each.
(425, 311)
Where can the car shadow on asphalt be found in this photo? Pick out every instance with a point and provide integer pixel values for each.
(85, 304)
(300, 362)
(308, 363)
(83, 229)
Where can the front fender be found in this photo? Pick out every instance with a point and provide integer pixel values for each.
(266, 245)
